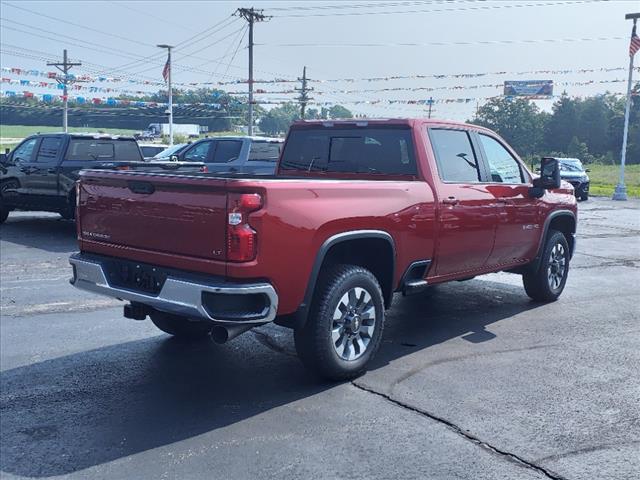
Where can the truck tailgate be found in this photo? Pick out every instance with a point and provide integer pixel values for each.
(169, 214)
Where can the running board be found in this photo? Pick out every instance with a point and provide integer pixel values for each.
(414, 286)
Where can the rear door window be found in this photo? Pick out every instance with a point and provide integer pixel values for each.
(104, 150)
(264, 152)
(227, 151)
(49, 149)
(456, 160)
(380, 150)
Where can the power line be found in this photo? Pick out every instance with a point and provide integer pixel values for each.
(236, 51)
(438, 10)
(91, 29)
(441, 44)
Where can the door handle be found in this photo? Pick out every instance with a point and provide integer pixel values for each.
(504, 201)
(28, 170)
(52, 170)
(450, 201)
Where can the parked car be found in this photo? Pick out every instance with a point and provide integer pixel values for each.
(356, 211)
(249, 155)
(572, 170)
(40, 173)
(150, 150)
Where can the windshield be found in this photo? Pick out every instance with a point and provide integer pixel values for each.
(167, 152)
(570, 165)
(103, 150)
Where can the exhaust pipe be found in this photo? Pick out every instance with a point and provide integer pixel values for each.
(224, 333)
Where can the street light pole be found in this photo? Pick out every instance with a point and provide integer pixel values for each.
(620, 192)
(168, 80)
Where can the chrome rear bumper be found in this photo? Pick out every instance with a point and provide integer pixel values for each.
(179, 296)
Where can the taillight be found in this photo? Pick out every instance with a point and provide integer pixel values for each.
(242, 240)
(204, 169)
(123, 167)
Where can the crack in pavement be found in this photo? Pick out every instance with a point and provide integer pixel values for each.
(266, 340)
(468, 436)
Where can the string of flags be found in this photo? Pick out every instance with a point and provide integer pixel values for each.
(427, 89)
(123, 80)
(437, 76)
(49, 98)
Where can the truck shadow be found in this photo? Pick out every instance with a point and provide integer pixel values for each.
(66, 414)
(45, 231)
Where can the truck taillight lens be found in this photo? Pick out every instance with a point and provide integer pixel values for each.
(204, 169)
(242, 240)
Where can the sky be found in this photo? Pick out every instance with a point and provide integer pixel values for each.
(334, 40)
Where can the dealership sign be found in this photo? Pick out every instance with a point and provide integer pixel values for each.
(526, 88)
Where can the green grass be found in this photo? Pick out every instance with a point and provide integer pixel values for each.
(21, 131)
(605, 177)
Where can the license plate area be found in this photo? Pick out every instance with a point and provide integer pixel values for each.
(135, 276)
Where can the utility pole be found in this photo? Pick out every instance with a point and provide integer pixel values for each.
(620, 192)
(166, 73)
(304, 98)
(252, 16)
(64, 67)
(430, 102)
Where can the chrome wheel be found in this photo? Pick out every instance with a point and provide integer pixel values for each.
(354, 321)
(557, 266)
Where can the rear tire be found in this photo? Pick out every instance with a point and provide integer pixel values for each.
(6, 185)
(180, 327)
(345, 324)
(548, 281)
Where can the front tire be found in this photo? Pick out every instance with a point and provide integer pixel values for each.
(180, 327)
(548, 281)
(5, 186)
(345, 324)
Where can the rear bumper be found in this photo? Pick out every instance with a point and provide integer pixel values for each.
(184, 294)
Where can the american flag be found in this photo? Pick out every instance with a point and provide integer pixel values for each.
(166, 70)
(634, 46)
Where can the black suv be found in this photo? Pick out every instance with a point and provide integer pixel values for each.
(572, 170)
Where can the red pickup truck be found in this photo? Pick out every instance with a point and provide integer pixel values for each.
(356, 211)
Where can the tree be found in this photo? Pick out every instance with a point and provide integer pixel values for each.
(593, 124)
(562, 124)
(577, 149)
(338, 111)
(518, 121)
(278, 119)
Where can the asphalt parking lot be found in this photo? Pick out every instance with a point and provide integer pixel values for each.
(473, 380)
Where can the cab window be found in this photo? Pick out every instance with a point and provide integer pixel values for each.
(456, 160)
(503, 167)
(199, 152)
(24, 153)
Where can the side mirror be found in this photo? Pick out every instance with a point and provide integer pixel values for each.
(3, 158)
(549, 174)
(174, 158)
